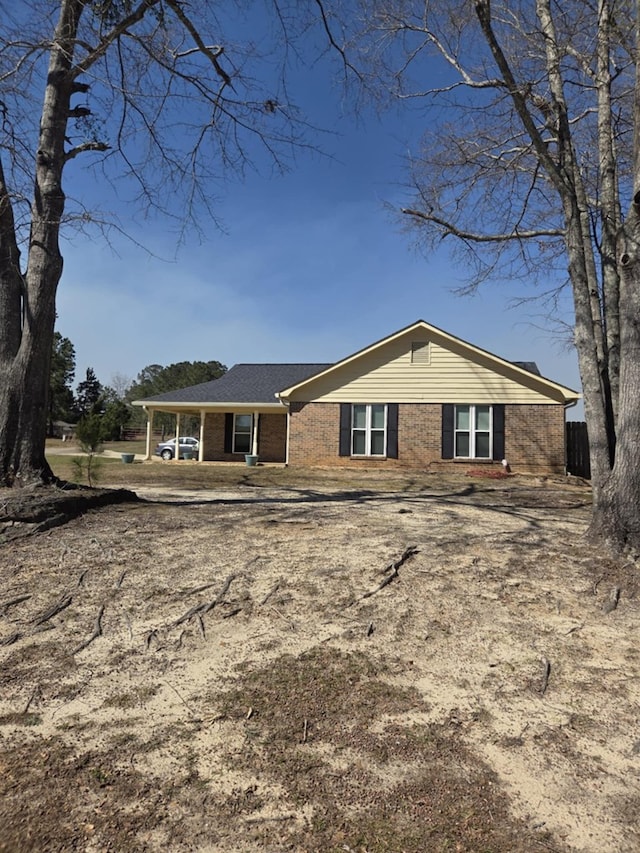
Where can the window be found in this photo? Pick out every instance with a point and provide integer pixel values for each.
(242, 433)
(472, 432)
(369, 429)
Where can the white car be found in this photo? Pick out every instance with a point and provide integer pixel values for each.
(167, 449)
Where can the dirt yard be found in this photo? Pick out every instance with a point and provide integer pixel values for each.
(443, 667)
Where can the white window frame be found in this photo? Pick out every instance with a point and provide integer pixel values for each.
(243, 432)
(369, 430)
(473, 430)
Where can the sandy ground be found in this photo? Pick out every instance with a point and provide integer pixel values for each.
(263, 669)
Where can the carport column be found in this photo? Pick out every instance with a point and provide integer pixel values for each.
(201, 446)
(177, 435)
(254, 441)
(149, 433)
(286, 450)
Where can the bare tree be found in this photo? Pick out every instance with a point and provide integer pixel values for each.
(163, 96)
(533, 114)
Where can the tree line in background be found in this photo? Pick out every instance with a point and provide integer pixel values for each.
(104, 411)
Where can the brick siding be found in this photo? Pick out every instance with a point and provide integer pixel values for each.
(534, 438)
(272, 439)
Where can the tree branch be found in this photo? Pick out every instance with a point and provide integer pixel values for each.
(211, 54)
(96, 53)
(85, 146)
(483, 12)
(452, 230)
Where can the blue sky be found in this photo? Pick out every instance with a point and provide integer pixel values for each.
(311, 266)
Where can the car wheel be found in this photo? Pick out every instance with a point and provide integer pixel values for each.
(166, 455)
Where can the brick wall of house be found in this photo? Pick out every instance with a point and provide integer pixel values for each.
(272, 439)
(214, 438)
(534, 437)
(314, 434)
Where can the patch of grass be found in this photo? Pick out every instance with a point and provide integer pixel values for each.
(412, 788)
(19, 718)
(126, 701)
(323, 686)
(215, 475)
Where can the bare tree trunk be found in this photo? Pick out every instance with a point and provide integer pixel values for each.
(616, 519)
(29, 300)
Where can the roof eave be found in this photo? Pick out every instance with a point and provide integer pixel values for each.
(227, 405)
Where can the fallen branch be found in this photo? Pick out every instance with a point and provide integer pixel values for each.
(97, 632)
(120, 579)
(201, 627)
(5, 605)
(269, 594)
(545, 677)
(198, 609)
(197, 589)
(60, 605)
(231, 613)
(12, 638)
(225, 589)
(393, 568)
(195, 717)
(274, 819)
(31, 698)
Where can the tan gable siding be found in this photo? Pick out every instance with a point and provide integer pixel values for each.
(387, 374)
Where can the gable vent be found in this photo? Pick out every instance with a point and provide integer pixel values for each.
(419, 352)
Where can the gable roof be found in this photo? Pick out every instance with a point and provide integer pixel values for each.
(243, 383)
(521, 370)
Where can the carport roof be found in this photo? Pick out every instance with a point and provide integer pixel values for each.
(243, 383)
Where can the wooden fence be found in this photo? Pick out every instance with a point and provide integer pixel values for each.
(578, 450)
(141, 434)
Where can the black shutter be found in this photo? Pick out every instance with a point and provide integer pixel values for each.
(447, 430)
(345, 429)
(228, 432)
(392, 430)
(498, 431)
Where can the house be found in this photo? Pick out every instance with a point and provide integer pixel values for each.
(418, 397)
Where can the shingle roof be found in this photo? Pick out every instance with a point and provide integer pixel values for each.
(531, 366)
(243, 383)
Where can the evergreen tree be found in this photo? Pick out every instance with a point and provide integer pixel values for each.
(89, 395)
(63, 369)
